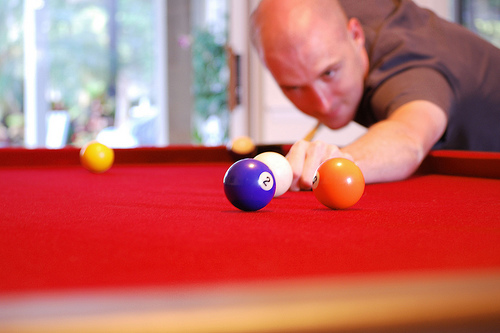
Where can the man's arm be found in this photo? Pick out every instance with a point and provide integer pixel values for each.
(390, 150)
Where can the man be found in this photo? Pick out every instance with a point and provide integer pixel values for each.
(416, 81)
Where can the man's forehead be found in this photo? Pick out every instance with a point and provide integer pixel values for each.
(300, 44)
(300, 25)
(300, 66)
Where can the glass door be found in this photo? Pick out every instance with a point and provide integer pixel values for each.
(126, 72)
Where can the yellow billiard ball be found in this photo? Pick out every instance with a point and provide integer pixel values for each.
(242, 147)
(96, 157)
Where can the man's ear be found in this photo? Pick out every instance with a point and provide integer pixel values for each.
(355, 30)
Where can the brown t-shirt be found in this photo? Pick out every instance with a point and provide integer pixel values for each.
(415, 55)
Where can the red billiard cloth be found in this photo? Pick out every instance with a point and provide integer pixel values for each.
(170, 224)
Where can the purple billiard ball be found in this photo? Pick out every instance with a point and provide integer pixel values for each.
(249, 184)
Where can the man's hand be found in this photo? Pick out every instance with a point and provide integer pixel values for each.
(305, 157)
(390, 150)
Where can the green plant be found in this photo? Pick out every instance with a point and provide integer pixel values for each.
(210, 81)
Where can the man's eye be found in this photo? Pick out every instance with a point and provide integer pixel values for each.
(291, 88)
(329, 73)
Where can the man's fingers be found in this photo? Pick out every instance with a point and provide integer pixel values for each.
(305, 157)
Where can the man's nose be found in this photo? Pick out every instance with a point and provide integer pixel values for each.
(322, 98)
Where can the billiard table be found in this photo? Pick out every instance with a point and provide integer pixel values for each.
(153, 245)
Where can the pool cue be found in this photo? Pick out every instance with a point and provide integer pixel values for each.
(312, 132)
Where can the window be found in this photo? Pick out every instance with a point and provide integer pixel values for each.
(76, 70)
(11, 77)
(482, 17)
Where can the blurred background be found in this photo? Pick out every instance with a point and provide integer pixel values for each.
(133, 73)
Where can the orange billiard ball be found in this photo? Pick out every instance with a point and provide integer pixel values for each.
(96, 157)
(338, 183)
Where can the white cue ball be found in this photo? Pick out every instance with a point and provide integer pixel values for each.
(281, 169)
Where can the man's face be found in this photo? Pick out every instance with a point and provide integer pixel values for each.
(322, 75)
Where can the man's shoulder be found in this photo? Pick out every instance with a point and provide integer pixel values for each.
(370, 11)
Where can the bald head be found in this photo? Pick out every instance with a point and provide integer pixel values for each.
(289, 23)
(316, 55)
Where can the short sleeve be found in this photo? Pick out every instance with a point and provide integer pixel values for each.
(417, 83)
